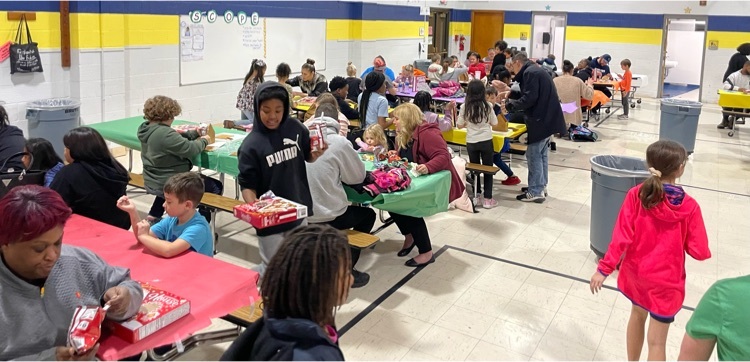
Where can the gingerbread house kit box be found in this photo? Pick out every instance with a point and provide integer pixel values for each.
(159, 309)
(270, 210)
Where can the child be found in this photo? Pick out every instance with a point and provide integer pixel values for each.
(272, 158)
(373, 106)
(165, 153)
(625, 81)
(497, 159)
(340, 90)
(44, 158)
(253, 78)
(184, 229)
(435, 70)
(328, 98)
(93, 180)
(478, 117)
(658, 223)
(283, 70)
(353, 82)
(476, 66)
(408, 74)
(490, 55)
(374, 137)
(423, 99)
(312, 269)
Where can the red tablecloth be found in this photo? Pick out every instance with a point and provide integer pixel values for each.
(213, 287)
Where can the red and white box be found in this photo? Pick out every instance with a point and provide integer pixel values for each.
(270, 211)
(317, 140)
(158, 310)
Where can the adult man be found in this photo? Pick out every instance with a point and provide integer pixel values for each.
(379, 66)
(738, 81)
(601, 63)
(544, 117)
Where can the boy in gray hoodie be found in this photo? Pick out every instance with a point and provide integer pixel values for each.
(339, 165)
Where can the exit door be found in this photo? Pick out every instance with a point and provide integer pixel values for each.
(548, 36)
(437, 36)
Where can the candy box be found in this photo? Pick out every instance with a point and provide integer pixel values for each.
(86, 328)
(195, 131)
(158, 310)
(270, 211)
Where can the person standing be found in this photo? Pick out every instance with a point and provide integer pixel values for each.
(544, 117)
(737, 61)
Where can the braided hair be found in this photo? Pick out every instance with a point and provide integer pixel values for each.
(373, 82)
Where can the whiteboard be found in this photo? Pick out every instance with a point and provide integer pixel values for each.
(220, 51)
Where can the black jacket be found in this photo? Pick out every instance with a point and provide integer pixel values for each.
(92, 190)
(270, 339)
(499, 59)
(584, 74)
(275, 160)
(540, 103)
(354, 85)
(346, 109)
(317, 86)
(736, 62)
(11, 143)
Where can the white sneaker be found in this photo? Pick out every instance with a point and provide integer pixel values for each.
(528, 197)
(479, 201)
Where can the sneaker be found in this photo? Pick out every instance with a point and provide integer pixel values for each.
(489, 203)
(528, 197)
(525, 190)
(360, 279)
(722, 125)
(479, 201)
(622, 116)
(553, 146)
(511, 181)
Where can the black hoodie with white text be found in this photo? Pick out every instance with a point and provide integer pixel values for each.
(275, 159)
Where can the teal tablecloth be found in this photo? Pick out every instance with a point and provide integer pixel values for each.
(427, 195)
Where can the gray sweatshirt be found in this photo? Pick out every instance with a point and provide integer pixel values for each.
(339, 164)
(32, 325)
(737, 80)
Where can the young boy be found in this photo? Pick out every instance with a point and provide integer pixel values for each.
(272, 158)
(184, 228)
(491, 96)
(626, 80)
(340, 90)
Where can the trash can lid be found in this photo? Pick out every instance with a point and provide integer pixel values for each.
(680, 103)
(619, 166)
(53, 104)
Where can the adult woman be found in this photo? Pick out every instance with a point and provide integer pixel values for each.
(43, 281)
(11, 143)
(422, 143)
(571, 89)
(253, 79)
(311, 83)
(93, 180)
(737, 61)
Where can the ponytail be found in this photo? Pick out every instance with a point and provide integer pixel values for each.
(652, 192)
(665, 159)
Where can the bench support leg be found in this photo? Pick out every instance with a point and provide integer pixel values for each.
(236, 189)
(213, 229)
(130, 159)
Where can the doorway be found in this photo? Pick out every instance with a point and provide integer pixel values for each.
(681, 72)
(438, 33)
(548, 36)
(486, 29)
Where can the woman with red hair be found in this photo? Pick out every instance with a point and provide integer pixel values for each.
(42, 281)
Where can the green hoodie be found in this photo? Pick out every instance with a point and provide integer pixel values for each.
(165, 153)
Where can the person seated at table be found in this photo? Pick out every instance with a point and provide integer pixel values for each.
(353, 82)
(449, 73)
(422, 143)
(165, 153)
(272, 158)
(183, 229)
(283, 70)
(327, 98)
(372, 102)
(601, 64)
(310, 82)
(253, 78)
(43, 281)
(374, 137)
(497, 158)
(339, 165)
(435, 69)
(11, 143)
(572, 89)
(738, 81)
(340, 91)
(476, 66)
(490, 55)
(548, 62)
(423, 100)
(306, 282)
(41, 156)
(93, 180)
(380, 67)
(408, 75)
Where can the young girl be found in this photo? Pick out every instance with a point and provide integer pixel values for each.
(435, 70)
(478, 117)
(476, 66)
(408, 74)
(373, 106)
(306, 281)
(497, 159)
(283, 70)
(374, 137)
(423, 99)
(353, 81)
(245, 97)
(658, 223)
(44, 158)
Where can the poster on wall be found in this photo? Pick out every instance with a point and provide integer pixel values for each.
(192, 42)
(252, 35)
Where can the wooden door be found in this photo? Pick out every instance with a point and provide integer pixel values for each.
(486, 29)
(439, 21)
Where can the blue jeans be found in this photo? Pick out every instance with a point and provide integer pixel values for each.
(248, 118)
(498, 161)
(537, 160)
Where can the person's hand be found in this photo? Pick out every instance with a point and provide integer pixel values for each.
(590, 82)
(743, 90)
(126, 205)
(207, 138)
(118, 299)
(315, 154)
(422, 169)
(69, 354)
(596, 282)
(143, 227)
(450, 106)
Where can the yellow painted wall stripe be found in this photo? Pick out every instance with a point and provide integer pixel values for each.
(513, 31)
(45, 30)
(372, 29)
(461, 27)
(613, 35)
(726, 39)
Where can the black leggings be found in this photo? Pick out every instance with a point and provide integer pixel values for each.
(417, 228)
(211, 185)
(482, 152)
(360, 219)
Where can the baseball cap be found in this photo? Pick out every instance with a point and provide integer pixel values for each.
(607, 57)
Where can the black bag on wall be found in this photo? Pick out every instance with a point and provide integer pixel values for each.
(24, 57)
(13, 178)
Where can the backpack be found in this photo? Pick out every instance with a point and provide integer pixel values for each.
(582, 134)
(257, 344)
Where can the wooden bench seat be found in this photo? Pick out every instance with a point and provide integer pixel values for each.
(475, 167)
(518, 148)
(136, 180)
(246, 315)
(361, 240)
(220, 202)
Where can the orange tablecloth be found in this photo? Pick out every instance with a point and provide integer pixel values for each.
(213, 287)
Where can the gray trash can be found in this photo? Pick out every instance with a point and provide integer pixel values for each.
(422, 64)
(679, 121)
(51, 118)
(612, 177)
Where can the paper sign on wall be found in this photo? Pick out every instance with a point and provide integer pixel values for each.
(524, 35)
(191, 42)
(713, 45)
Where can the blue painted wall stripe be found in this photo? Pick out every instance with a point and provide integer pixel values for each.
(643, 21)
(460, 15)
(49, 6)
(729, 23)
(518, 17)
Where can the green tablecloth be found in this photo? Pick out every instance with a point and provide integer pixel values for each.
(427, 195)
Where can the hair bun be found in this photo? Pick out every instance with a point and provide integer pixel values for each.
(349, 63)
(310, 61)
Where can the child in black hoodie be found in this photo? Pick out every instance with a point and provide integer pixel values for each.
(272, 158)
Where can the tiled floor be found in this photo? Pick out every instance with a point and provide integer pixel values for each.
(472, 307)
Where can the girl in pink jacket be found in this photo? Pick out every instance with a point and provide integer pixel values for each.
(658, 223)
